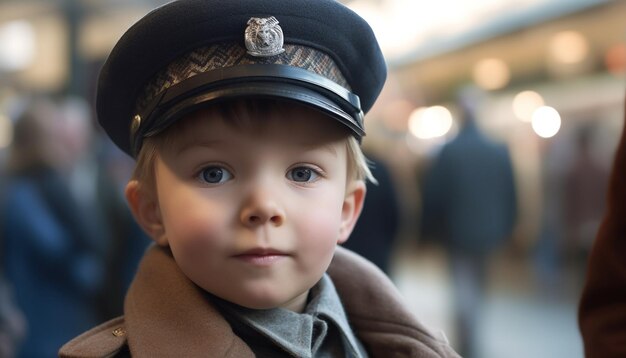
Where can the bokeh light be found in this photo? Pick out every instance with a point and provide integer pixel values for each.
(615, 59)
(569, 47)
(525, 103)
(491, 74)
(546, 122)
(17, 45)
(430, 122)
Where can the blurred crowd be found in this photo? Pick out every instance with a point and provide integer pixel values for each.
(69, 244)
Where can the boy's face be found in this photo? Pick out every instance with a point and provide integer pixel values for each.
(253, 212)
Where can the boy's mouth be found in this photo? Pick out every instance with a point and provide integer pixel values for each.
(261, 256)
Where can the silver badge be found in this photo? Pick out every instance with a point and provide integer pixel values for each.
(264, 38)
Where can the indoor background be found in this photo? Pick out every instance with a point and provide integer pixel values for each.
(542, 72)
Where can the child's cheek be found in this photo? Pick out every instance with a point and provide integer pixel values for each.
(195, 232)
(320, 230)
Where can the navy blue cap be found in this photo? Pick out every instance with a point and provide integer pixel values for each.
(188, 53)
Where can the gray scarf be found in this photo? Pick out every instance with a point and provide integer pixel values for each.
(322, 330)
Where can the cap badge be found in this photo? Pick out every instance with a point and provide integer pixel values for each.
(264, 38)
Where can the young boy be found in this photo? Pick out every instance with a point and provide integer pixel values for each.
(245, 118)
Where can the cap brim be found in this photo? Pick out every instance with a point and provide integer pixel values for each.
(267, 81)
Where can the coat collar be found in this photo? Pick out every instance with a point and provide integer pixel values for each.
(167, 315)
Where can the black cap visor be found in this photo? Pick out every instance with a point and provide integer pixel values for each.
(252, 81)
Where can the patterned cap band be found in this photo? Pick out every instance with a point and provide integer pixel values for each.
(205, 59)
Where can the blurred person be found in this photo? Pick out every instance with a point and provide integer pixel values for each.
(574, 181)
(469, 206)
(12, 321)
(547, 251)
(52, 250)
(602, 311)
(585, 188)
(375, 232)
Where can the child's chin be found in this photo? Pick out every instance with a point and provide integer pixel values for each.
(260, 303)
(263, 302)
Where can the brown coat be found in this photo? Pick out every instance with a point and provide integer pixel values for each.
(167, 315)
(602, 315)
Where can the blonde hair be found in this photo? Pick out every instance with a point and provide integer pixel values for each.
(358, 168)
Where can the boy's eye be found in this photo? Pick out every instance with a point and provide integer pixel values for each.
(302, 174)
(215, 175)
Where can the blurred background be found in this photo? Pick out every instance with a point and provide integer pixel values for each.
(526, 95)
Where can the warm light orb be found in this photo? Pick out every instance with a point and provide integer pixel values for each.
(491, 73)
(615, 59)
(17, 45)
(430, 122)
(569, 47)
(525, 103)
(546, 122)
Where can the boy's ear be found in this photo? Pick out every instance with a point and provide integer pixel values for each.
(145, 209)
(351, 210)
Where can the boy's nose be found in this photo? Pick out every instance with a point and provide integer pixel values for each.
(261, 209)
